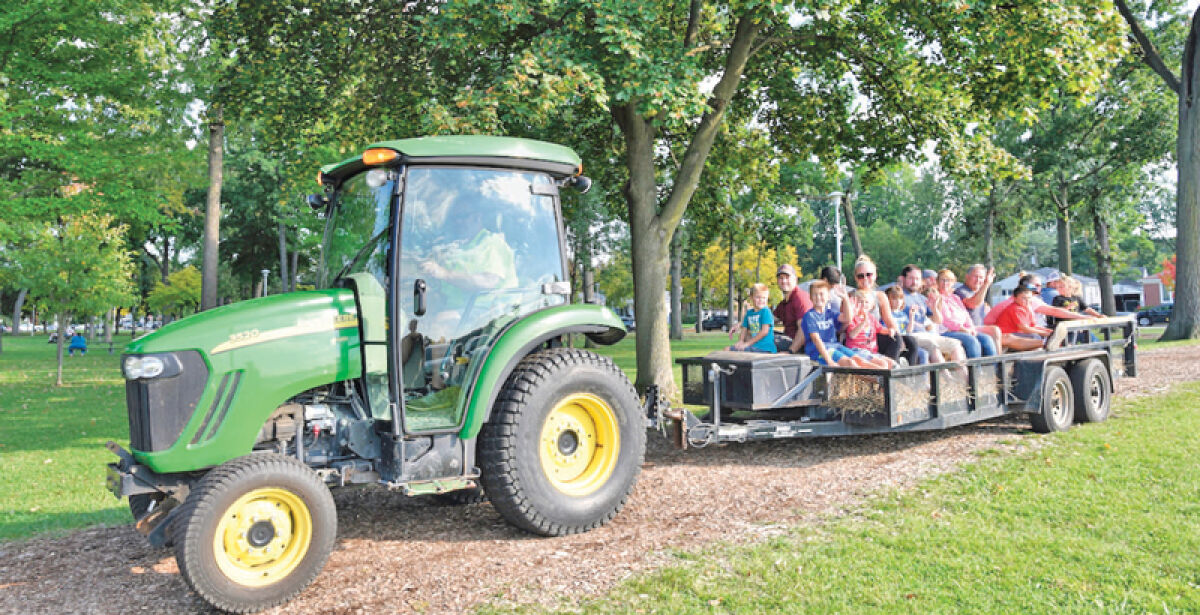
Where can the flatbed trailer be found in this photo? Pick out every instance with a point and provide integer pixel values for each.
(754, 396)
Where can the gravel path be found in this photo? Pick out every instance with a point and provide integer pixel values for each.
(397, 554)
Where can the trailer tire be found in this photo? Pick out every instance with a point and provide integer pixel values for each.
(564, 445)
(1057, 403)
(1092, 387)
(254, 532)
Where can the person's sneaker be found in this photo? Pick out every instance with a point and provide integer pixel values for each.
(902, 362)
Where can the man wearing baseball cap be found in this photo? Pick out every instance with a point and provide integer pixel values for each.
(789, 311)
(1051, 289)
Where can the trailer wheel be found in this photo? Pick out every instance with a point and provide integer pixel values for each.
(1057, 406)
(564, 444)
(254, 532)
(1093, 391)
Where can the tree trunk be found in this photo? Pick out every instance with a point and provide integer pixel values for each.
(851, 225)
(212, 210)
(295, 271)
(989, 232)
(17, 306)
(652, 226)
(164, 265)
(283, 258)
(699, 292)
(33, 320)
(59, 349)
(730, 287)
(1185, 318)
(587, 275)
(110, 320)
(677, 286)
(1064, 240)
(1108, 302)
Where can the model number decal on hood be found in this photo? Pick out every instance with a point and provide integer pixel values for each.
(250, 337)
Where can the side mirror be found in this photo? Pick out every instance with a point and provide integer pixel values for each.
(419, 297)
(317, 201)
(582, 183)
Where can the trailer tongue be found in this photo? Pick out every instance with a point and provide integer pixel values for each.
(752, 396)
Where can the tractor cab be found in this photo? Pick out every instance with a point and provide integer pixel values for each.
(452, 239)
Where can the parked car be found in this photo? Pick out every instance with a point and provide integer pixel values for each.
(716, 321)
(630, 323)
(1158, 313)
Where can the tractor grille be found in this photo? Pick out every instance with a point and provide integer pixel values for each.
(159, 408)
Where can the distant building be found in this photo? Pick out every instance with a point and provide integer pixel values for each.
(1154, 292)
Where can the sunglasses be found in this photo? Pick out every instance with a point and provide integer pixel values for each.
(863, 276)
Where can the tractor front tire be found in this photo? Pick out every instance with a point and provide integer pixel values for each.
(1058, 406)
(254, 532)
(564, 445)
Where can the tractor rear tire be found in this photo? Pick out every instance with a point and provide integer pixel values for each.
(564, 445)
(1093, 391)
(254, 532)
(1058, 407)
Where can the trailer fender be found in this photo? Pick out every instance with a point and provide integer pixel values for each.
(598, 323)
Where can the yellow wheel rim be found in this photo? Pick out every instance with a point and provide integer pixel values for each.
(262, 537)
(579, 444)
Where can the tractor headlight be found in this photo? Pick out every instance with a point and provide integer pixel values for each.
(145, 367)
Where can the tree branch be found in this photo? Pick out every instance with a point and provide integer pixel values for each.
(1150, 55)
(697, 151)
(693, 26)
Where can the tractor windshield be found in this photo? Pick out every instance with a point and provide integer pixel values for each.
(356, 231)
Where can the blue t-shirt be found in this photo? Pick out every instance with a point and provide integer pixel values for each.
(754, 321)
(824, 324)
(916, 300)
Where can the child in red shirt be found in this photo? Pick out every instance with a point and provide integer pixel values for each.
(1017, 326)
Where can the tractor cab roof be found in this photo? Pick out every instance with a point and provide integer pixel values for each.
(479, 150)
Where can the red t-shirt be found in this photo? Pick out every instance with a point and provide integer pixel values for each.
(1012, 317)
(791, 310)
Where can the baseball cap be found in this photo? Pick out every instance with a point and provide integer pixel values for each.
(785, 268)
(1052, 276)
(929, 273)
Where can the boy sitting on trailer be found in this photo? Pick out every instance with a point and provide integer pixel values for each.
(910, 321)
(819, 327)
(758, 326)
(1017, 325)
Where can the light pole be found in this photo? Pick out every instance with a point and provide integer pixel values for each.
(836, 197)
(265, 273)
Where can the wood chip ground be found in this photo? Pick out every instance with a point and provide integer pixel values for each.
(399, 555)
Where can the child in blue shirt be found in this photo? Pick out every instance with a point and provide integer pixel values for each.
(819, 327)
(758, 326)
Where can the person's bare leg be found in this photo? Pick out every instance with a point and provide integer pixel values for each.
(1015, 343)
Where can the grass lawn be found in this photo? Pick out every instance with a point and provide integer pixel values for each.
(624, 352)
(52, 438)
(1103, 519)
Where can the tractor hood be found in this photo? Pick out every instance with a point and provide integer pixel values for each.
(230, 368)
(310, 318)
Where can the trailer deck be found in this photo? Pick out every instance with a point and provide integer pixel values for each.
(753, 396)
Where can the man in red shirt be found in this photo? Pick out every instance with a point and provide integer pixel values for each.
(1017, 325)
(794, 306)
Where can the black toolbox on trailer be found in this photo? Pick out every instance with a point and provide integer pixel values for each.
(748, 380)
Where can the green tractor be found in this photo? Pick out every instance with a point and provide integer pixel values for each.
(431, 359)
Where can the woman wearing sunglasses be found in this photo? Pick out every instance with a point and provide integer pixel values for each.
(862, 309)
